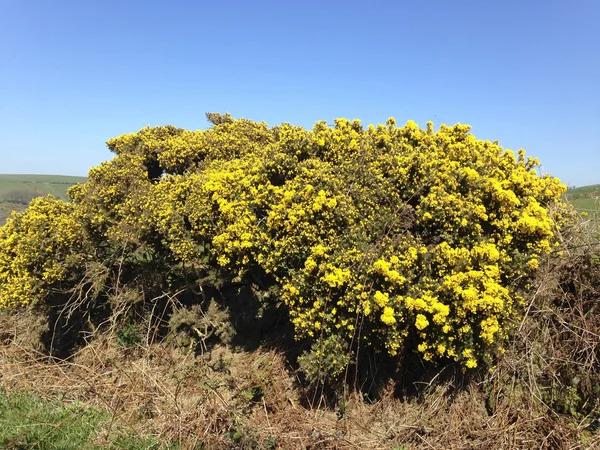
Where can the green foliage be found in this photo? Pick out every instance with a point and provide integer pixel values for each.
(326, 361)
(129, 336)
(270, 443)
(370, 237)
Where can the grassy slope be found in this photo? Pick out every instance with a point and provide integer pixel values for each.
(585, 198)
(585, 190)
(28, 421)
(7, 208)
(55, 185)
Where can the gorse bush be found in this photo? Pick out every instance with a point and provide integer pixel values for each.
(382, 236)
(40, 248)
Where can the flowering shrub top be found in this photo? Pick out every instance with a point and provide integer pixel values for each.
(371, 235)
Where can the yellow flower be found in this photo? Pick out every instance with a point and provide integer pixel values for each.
(471, 363)
(388, 316)
(421, 322)
(381, 299)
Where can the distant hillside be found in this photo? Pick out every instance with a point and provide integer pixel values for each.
(585, 198)
(16, 191)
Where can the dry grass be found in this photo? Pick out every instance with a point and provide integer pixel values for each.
(252, 400)
(542, 395)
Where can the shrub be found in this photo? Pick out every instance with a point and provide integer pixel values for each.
(326, 361)
(40, 249)
(129, 336)
(193, 325)
(378, 236)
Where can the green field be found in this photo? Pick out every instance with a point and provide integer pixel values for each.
(56, 185)
(17, 190)
(592, 189)
(586, 199)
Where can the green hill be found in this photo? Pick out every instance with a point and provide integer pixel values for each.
(586, 199)
(16, 191)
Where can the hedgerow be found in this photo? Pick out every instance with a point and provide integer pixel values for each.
(375, 237)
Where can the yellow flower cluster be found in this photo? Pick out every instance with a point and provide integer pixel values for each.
(39, 248)
(381, 232)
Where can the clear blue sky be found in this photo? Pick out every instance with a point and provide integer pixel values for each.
(75, 73)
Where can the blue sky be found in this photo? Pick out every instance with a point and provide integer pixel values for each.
(75, 73)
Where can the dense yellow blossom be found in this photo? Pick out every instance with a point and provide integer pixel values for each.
(396, 230)
(39, 249)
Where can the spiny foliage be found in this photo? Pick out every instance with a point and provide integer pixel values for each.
(377, 236)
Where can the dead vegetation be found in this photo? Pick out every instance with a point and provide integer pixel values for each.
(252, 400)
(543, 394)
